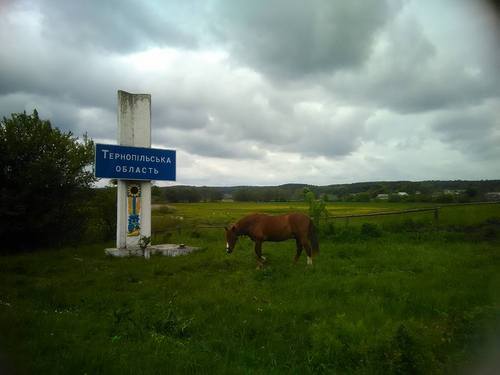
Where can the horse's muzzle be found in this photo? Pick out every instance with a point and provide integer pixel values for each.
(228, 251)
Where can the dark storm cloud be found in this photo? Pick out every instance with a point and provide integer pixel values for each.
(64, 114)
(62, 88)
(84, 79)
(294, 38)
(32, 63)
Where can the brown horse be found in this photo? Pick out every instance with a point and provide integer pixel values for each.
(261, 227)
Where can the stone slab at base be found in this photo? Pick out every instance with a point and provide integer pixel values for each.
(168, 249)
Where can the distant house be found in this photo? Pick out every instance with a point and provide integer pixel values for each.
(227, 198)
(382, 197)
(453, 192)
(492, 196)
(402, 193)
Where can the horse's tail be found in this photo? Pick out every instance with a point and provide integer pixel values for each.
(313, 238)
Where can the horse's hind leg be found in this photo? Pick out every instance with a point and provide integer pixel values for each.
(258, 254)
(299, 250)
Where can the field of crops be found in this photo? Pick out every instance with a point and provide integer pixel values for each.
(390, 294)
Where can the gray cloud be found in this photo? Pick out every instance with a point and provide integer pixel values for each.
(293, 39)
(31, 64)
(417, 67)
(206, 143)
(179, 115)
(474, 131)
(64, 114)
(116, 25)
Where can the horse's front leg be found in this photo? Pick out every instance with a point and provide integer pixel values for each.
(258, 253)
(307, 245)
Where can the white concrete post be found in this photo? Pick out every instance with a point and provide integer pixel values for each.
(146, 211)
(134, 129)
(121, 215)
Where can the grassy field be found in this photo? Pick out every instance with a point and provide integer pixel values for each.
(386, 295)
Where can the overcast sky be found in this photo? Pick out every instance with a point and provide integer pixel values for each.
(270, 92)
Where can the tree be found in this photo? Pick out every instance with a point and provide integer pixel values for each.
(245, 195)
(177, 194)
(317, 207)
(45, 180)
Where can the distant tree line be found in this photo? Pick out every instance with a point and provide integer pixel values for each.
(186, 194)
(265, 194)
(424, 191)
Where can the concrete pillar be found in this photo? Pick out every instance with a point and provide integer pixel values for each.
(146, 208)
(134, 129)
(121, 215)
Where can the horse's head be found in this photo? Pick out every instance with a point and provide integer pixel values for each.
(231, 238)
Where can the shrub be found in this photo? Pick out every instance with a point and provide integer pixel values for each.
(329, 229)
(369, 230)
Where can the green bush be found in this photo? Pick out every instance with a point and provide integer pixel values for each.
(328, 230)
(369, 230)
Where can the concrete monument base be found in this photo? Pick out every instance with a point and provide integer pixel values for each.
(168, 249)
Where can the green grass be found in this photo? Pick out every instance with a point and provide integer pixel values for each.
(384, 301)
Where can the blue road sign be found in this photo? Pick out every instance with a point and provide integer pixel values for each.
(134, 163)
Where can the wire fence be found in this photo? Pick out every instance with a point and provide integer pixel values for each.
(436, 210)
(387, 213)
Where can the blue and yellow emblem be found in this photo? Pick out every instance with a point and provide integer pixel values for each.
(134, 210)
